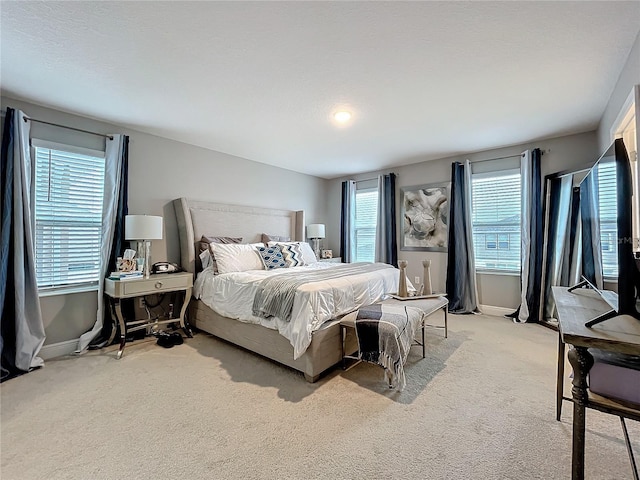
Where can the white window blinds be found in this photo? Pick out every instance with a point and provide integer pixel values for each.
(365, 225)
(69, 191)
(607, 201)
(496, 198)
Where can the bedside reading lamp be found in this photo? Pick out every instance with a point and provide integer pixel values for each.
(143, 228)
(315, 232)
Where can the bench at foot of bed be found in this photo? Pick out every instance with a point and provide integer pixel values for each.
(385, 332)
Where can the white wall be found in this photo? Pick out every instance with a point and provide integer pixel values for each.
(562, 153)
(161, 170)
(629, 77)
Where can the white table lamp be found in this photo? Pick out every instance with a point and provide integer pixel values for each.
(143, 228)
(315, 232)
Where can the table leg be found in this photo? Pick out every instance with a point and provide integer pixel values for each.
(342, 340)
(634, 468)
(560, 378)
(114, 321)
(581, 362)
(185, 304)
(424, 345)
(446, 328)
(123, 327)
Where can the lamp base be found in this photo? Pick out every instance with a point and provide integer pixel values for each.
(147, 258)
(143, 251)
(316, 247)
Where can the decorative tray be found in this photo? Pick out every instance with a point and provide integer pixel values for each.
(418, 297)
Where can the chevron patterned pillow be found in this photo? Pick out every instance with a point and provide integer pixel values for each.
(292, 254)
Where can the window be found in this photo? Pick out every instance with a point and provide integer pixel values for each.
(626, 127)
(496, 241)
(503, 241)
(496, 220)
(69, 186)
(608, 206)
(366, 220)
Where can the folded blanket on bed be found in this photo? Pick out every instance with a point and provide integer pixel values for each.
(275, 295)
(385, 334)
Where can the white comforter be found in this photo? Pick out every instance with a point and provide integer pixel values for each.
(231, 295)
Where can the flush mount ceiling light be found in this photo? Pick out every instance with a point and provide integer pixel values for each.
(342, 116)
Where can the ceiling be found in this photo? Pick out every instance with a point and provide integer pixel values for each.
(260, 80)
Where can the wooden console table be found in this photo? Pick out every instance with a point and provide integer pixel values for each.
(620, 334)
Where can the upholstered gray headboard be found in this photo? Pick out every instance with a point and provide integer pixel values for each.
(196, 218)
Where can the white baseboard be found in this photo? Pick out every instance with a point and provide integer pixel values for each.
(496, 311)
(58, 349)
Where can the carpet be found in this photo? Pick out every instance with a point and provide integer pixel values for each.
(480, 406)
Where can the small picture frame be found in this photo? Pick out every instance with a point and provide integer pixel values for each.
(125, 265)
(326, 254)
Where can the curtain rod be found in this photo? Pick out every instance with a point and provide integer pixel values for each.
(470, 161)
(542, 152)
(373, 178)
(497, 158)
(26, 119)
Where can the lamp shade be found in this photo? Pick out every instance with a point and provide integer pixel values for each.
(315, 230)
(142, 227)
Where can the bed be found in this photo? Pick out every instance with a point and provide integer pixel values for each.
(324, 350)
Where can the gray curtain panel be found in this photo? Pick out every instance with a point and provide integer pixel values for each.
(531, 238)
(22, 328)
(386, 241)
(118, 243)
(115, 154)
(591, 253)
(572, 263)
(462, 290)
(348, 221)
(563, 256)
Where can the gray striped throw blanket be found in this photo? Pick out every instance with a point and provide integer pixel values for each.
(385, 334)
(275, 295)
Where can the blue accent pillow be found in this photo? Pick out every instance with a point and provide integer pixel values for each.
(272, 257)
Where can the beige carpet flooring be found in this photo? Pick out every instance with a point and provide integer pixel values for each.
(480, 406)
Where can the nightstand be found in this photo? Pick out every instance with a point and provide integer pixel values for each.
(139, 287)
(331, 260)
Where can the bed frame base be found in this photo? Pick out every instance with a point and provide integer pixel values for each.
(197, 218)
(324, 352)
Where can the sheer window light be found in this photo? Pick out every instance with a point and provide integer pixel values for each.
(69, 190)
(496, 220)
(365, 224)
(607, 195)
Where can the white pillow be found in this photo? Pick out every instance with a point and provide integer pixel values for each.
(237, 257)
(307, 252)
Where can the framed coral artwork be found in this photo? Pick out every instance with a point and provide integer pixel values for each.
(425, 214)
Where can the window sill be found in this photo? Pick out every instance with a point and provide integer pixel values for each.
(52, 292)
(507, 273)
